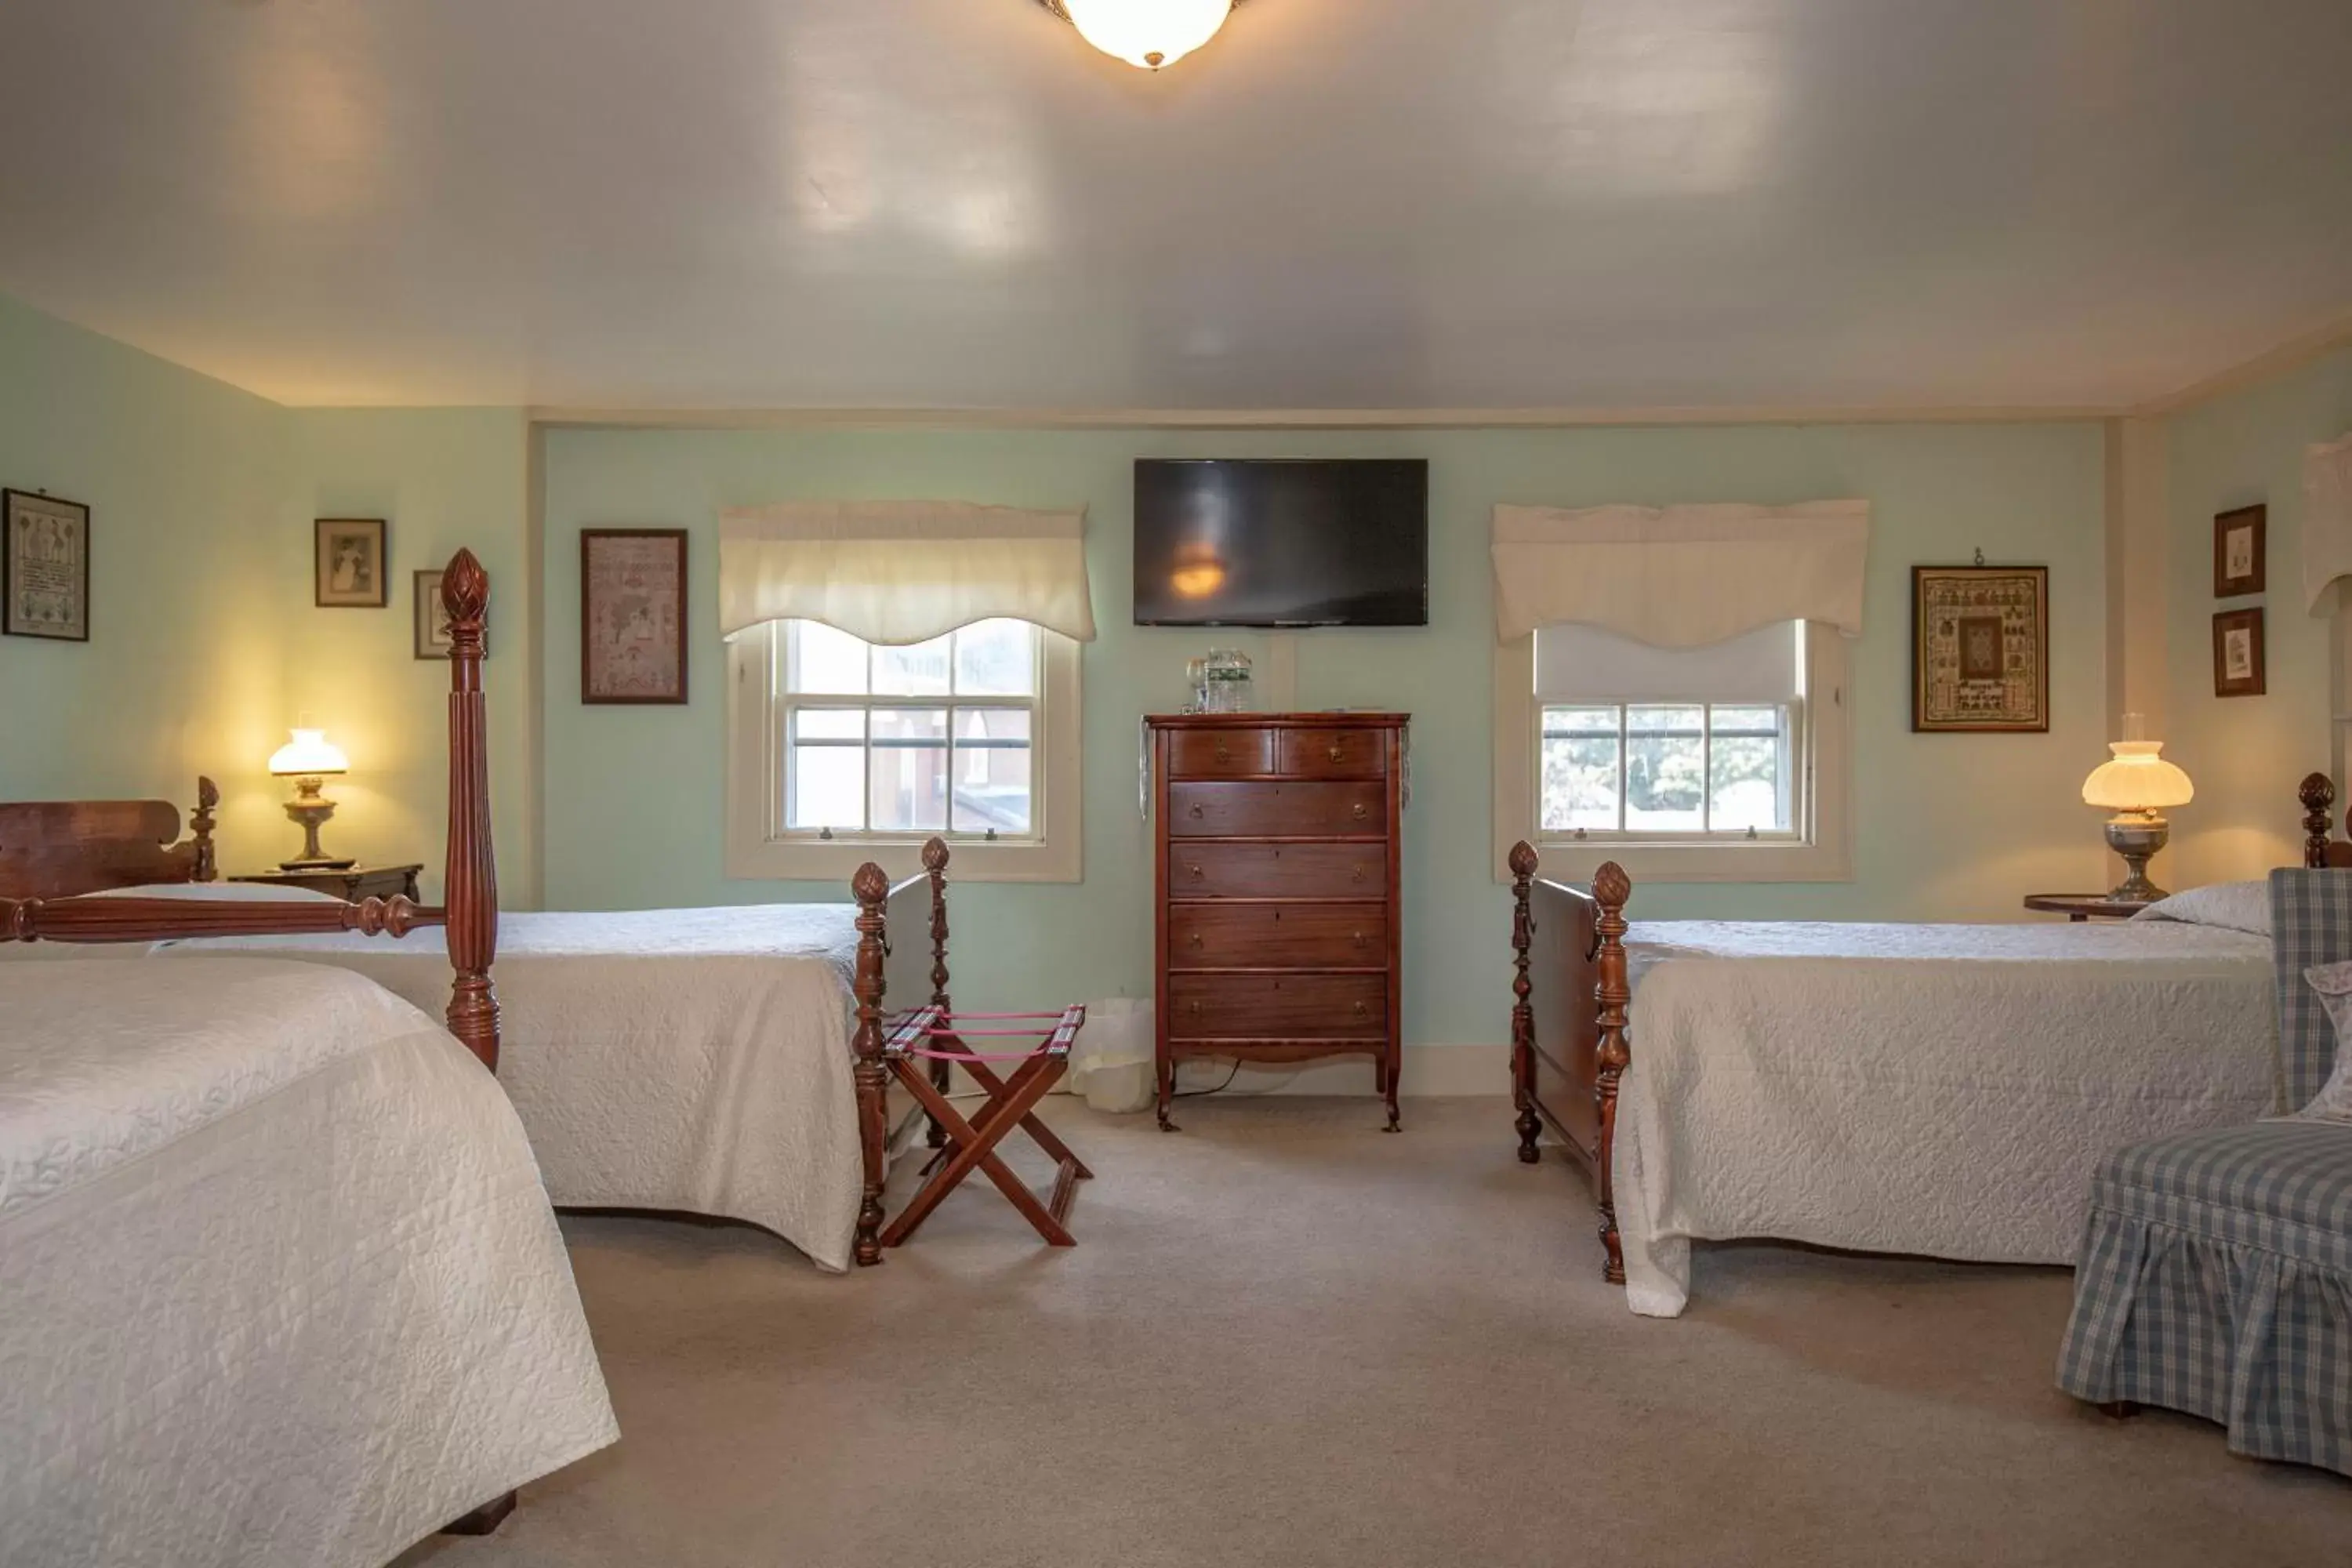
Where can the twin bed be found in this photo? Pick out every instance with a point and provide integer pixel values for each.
(282, 1273)
(1936, 1090)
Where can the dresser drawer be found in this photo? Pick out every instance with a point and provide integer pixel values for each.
(1220, 753)
(1278, 1007)
(1278, 870)
(1333, 753)
(1278, 810)
(1212, 935)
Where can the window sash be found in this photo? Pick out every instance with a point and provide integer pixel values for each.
(1793, 763)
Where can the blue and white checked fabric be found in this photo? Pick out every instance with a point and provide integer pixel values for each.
(2216, 1277)
(2311, 924)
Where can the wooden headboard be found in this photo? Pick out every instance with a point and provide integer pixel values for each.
(58, 849)
(2319, 850)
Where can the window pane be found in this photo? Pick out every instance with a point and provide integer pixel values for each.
(825, 785)
(1746, 787)
(824, 662)
(918, 671)
(1665, 768)
(909, 777)
(996, 659)
(1746, 720)
(992, 771)
(829, 723)
(1580, 769)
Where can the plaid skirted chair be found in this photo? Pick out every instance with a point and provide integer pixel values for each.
(2216, 1271)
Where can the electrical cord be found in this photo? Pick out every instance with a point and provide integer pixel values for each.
(1201, 1093)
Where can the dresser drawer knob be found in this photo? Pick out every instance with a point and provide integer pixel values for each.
(1362, 811)
(1359, 873)
(1359, 938)
(1224, 753)
(1337, 752)
(1194, 939)
(1362, 1008)
(1196, 814)
(1193, 1008)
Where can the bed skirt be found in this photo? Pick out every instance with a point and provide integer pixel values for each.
(2240, 1316)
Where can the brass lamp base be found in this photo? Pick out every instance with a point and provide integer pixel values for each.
(311, 809)
(2136, 835)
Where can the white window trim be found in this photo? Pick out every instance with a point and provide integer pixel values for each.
(1822, 852)
(755, 854)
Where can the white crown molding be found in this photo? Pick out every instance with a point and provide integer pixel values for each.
(2290, 355)
(1295, 418)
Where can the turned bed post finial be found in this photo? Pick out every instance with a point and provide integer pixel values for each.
(471, 890)
(199, 829)
(1523, 1017)
(1612, 888)
(935, 865)
(871, 888)
(2318, 794)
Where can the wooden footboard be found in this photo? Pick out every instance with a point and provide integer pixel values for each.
(1570, 1039)
(885, 973)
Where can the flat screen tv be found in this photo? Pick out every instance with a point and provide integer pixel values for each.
(1304, 542)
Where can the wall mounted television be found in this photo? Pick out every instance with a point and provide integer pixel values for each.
(1281, 542)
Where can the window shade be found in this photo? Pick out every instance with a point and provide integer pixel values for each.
(1680, 576)
(1586, 664)
(903, 572)
(2327, 518)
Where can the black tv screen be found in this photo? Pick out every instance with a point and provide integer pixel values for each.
(1304, 542)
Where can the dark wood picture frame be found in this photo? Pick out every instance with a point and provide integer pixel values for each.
(424, 621)
(13, 571)
(664, 626)
(2246, 520)
(370, 588)
(2254, 682)
(2031, 719)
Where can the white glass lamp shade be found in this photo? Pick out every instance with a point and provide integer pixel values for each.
(307, 755)
(1148, 34)
(2136, 779)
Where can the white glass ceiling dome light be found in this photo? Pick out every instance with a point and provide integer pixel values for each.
(2136, 784)
(1146, 33)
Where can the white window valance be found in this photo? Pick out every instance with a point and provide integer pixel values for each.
(2326, 520)
(1680, 576)
(902, 572)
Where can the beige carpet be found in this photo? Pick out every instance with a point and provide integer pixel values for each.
(1286, 1338)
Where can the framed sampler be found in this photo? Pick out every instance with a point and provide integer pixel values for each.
(44, 568)
(2239, 548)
(633, 615)
(1980, 649)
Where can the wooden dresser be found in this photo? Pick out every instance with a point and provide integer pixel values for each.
(1277, 839)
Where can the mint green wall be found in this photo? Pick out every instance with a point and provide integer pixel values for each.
(2245, 754)
(1949, 827)
(186, 482)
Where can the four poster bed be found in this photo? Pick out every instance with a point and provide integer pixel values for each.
(1944, 1091)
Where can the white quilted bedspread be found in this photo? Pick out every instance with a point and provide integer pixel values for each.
(279, 1283)
(1944, 1089)
(694, 1060)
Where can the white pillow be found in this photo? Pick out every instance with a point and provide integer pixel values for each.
(2232, 906)
(222, 893)
(2334, 984)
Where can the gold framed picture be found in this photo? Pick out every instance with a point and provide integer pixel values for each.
(348, 558)
(1980, 649)
(2239, 567)
(2238, 662)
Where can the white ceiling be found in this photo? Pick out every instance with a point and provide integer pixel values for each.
(1392, 204)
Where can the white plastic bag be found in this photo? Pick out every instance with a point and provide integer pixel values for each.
(1110, 1061)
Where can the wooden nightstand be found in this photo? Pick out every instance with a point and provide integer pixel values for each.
(2081, 907)
(351, 885)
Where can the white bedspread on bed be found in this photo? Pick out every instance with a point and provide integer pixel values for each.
(694, 1060)
(1943, 1089)
(279, 1283)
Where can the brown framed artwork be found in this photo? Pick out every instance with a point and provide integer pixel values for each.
(2238, 665)
(1980, 649)
(431, 629)
(348, 562)
(44, 568)
(633, 615)
(2240, 551)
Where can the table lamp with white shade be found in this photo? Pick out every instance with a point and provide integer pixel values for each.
(307, 759)
(2136, 784)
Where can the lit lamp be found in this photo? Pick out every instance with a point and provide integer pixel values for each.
(2136, 784)
(307, 759)
(1146, 33)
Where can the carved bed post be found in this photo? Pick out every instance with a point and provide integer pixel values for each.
(1610, 889)
(200, 831)
(471, 879)
(871, 888)
(1523, 1017)
(935, 865)
(2318, 794)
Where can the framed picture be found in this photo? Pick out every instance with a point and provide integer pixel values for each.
(2238, 565)
(348, 554)
(2238, 652)
(432, 617)
(633, 615)
(1980, 649)
(44, 568)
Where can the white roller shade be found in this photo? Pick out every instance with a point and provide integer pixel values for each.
(1587, 664)
(2327, 518)
(1680, 576)
(903, 572)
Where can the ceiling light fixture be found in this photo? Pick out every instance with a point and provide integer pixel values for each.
(1146, 33)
